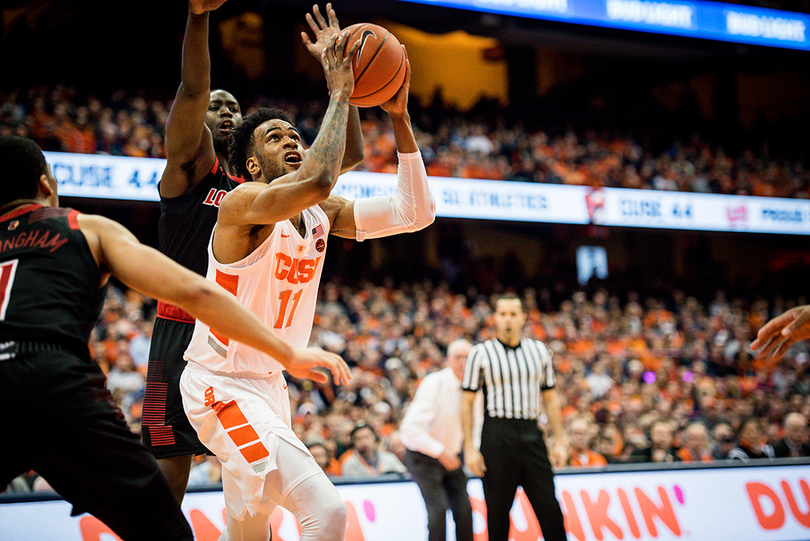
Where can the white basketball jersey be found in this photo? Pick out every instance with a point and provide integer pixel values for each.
(279, 283)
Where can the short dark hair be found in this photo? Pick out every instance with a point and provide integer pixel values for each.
(358, 426)
(22, 163)
(509, 297)
(242, 145)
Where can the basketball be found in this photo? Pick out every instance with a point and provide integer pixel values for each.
(379, 65)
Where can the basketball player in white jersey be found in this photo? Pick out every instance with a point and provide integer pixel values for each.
(268, 248)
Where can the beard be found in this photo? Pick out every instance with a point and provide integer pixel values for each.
(271, 169)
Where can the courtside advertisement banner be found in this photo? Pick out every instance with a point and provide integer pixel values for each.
(117, 177)
(769, 503)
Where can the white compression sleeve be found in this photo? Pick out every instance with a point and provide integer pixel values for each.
(411, 209)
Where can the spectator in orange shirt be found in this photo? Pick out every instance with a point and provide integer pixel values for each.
(582, 432)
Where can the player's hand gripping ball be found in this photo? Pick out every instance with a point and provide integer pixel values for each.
(378, 65)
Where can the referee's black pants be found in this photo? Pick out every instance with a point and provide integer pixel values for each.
(442, 489)
(515, 455)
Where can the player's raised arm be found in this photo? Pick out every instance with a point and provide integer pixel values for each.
(269, 151)
(189, 144)
(324, 29)
(145, 269)
(412, 208)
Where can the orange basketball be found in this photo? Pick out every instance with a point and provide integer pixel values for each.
(379, 65)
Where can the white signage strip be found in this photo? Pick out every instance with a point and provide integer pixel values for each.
(117, 177)
(106, 177)
(723, 504)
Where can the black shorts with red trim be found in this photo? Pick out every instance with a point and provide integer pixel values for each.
(165, 428)
(61, 421)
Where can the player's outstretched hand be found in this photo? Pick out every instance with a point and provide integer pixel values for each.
(198, 7)
(305, 362)
(776, 336)
(323, 30)
(398, 105)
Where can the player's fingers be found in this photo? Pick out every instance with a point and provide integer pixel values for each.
(801, 319)
(318, 17)
(355, 47)
(305, 39)
(342, 373)
(315, 28)
(331, 46)
(316, 375)
(783, 347)
(333, 21)
(765, 346)
(775, 325)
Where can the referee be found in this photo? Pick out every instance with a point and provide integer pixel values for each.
(514, 373)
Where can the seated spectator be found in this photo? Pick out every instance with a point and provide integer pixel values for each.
(661, 445)
(582, 432)
(750, 445)
(599, 381)
(696, 445)
(794, 444)
(724, 441)
(367, 458)
(320, 453)
(603, 445)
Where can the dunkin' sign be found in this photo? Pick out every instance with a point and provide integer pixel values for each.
(770, 503)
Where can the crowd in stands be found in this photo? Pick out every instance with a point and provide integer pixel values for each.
(453, 144)
(641, 379)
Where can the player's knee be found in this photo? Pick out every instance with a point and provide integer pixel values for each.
(334, 511)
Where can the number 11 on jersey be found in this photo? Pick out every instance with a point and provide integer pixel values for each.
(284, 298)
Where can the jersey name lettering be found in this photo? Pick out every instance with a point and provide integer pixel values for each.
(34, 239)
(295, 271)
(214, 197)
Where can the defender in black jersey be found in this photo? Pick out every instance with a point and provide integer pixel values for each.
(61, 420)
(194, 182)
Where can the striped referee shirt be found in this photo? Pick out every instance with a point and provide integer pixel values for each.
(512, 379)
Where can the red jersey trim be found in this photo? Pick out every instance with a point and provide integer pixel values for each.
(236, 179)
(174, 313)
(20, 211)
(73, 220)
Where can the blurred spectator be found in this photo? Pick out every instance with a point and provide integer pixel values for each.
(724, 441)
(750, 442)
(320, 453)
(794, 444)
(367, 458)
(661, 447)
(696, 445)
(582, 432)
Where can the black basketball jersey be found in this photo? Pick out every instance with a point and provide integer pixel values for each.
(49, 280)
(186, 221)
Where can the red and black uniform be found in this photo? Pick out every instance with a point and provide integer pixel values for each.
(184, 230)
(61, 420)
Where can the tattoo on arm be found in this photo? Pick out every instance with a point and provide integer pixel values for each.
(327, 150)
